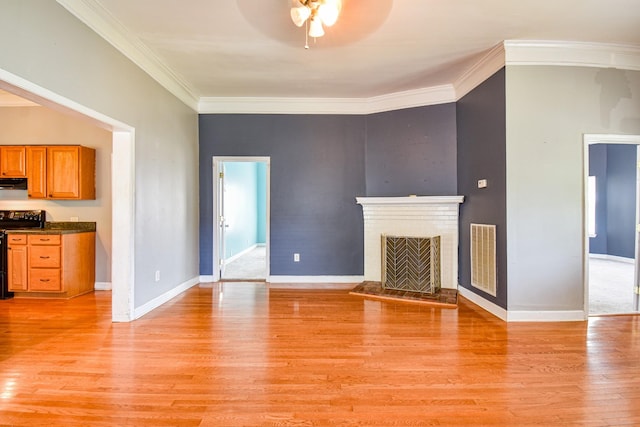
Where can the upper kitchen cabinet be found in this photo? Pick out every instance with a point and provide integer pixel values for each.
(70, 172)
(13, 162)
(37, 172)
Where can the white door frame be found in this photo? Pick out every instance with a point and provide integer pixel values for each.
(216, 209)
(589, 139)
(122, 187)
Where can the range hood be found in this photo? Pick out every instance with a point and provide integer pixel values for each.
(13, 183)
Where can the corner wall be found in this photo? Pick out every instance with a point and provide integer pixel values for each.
(481, 155)
(549, 109)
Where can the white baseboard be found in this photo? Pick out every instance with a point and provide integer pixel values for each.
(314, 286)
(102, 286)
(239, 254)
(138, 312)
(613, 258)
(492, 308)
(315, 279)
(523, 315)
(206, 279)
(546, 316)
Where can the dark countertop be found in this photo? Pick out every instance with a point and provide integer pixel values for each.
(58, 228)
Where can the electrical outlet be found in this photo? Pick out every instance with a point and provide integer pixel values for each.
(296, 257)
(157, 275)
(74, 219)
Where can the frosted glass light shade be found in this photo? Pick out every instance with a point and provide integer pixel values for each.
(329, 11)
(299, 14)
(315, 28)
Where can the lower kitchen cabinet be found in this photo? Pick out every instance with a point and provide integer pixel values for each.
(57, 265)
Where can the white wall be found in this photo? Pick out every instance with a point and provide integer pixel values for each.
(548, 111)
(44, 44)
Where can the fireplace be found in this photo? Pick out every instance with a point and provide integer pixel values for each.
(411, 263)
(413, 216)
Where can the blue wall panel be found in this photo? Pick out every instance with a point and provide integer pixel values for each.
(318, 169)
(482, 155)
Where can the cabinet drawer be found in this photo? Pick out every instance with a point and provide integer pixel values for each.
(44, 257)
(44, 239)
(44, 279)
(17, 239)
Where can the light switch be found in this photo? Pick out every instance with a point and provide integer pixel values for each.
(482, 183)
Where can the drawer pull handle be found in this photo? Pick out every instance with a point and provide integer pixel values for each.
(45, 257)
(43, 239)
(44, 280)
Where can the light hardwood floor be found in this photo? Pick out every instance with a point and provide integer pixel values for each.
(244, 354)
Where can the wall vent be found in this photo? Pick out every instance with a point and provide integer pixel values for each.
(483, 257)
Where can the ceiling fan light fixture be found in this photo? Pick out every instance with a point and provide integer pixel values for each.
(315, 13)
(329, 10)
(315, 28)
(299, 14)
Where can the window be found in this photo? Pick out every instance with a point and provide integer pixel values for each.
(591, 205)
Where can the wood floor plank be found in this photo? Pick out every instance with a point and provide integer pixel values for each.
(245, 354)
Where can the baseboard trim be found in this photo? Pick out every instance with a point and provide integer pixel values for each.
(315, 279)
(492, 308)
(138, 312)
(239, 254)
(613, 258)
(102, 286)
(546, 316)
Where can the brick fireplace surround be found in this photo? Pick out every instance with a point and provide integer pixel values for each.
(413, 216)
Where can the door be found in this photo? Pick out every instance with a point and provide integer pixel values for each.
(241, 228)
(221, 221)
(612, 223)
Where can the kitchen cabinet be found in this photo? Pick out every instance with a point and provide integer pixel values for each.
(36, 172)
(13, 161)
(58, 265)
(70, 172)
(17, 262)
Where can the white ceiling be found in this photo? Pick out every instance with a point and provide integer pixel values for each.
(250, 48)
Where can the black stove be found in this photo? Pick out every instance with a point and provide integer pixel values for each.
(15, 220)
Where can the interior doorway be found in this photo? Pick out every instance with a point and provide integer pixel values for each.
(241, 230)
(612, 216)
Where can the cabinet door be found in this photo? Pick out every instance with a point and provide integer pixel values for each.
(12, 162)
(17, 267)
(63, 172)
(37, 172)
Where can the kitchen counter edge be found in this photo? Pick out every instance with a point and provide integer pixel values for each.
(58, 228)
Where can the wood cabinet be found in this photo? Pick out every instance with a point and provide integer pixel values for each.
(51, 265)
(36, 172)
(70, 172)
(13, 161)
(17, 262)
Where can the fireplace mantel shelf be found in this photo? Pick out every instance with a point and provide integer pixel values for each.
(408, 200)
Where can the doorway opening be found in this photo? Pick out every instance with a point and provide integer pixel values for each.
(241, 231)
(612, 216)
(122, 185)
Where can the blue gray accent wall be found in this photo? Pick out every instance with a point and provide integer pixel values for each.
(481, 131)
(412, 151)
(614, 166)
(319, 165)
(317, 170)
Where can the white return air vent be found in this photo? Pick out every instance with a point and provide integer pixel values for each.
(483, 257)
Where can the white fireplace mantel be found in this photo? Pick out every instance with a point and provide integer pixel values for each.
(411, 216)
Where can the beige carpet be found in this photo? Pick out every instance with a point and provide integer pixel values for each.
(610, 287)
(251, 266)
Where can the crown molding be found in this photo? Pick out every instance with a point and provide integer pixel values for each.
(487, 66)
(96, 17)
(575, 54)
(393, 101)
